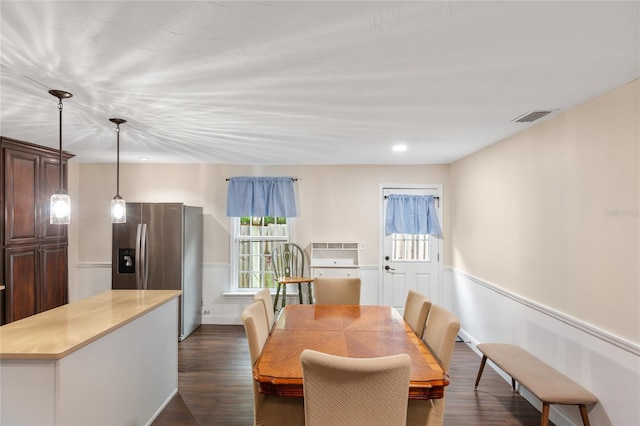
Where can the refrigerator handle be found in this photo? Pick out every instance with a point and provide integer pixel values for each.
(145, 264)
(139, 256)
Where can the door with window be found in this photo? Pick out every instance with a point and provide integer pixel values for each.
(410, 261)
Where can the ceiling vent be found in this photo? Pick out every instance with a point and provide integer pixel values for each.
(532, 116)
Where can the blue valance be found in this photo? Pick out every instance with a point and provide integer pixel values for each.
(411, 214)
(261, 196)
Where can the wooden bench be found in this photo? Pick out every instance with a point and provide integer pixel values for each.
(544, 382)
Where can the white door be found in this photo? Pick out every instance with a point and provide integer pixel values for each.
(410, 261)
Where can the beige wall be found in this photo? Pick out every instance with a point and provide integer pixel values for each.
(552, 214)
(335, 202)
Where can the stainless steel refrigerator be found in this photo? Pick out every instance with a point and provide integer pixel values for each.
(160, 247)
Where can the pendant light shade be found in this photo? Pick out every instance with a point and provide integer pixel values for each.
(118, 205)
(60, 204)
(118, 210)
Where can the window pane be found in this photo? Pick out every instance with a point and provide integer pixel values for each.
(255, 240)
(407, 247)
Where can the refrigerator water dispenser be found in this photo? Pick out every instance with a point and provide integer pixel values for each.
(126, 261)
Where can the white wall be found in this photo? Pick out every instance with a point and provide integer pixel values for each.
(553, 213)
(545, 252)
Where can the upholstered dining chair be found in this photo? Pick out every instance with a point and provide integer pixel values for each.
(440, 336)
(337, 290)
(416, 309)
(288, 261)
(355, 391)
(267, 409)
(264, 297)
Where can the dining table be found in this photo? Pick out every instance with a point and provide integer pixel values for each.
(357, 331)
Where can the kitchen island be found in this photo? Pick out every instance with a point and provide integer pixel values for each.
(109, 359)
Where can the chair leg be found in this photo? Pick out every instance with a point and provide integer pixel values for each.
(544, 420)
(300, 292)
(310, 294)
(484, 361)
(284, 295)
(275, 302)
(584, 414)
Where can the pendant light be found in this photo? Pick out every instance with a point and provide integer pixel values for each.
(60, 205)
(118, 205)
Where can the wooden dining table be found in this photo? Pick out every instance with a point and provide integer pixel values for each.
(358, 331)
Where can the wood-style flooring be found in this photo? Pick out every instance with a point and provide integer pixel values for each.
(215, 388)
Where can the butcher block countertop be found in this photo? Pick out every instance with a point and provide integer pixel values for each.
(56, 333)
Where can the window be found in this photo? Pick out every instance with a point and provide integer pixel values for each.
(410, 247)
(253, 241)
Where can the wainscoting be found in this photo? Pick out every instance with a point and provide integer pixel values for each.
(606, 365)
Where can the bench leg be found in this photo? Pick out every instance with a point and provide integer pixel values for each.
(513, 384)
(545, 414)
(584, 414)
(484, 361)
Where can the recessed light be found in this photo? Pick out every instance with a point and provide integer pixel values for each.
(399, 148)
(144, 158)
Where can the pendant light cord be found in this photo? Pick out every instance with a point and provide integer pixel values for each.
(60, 138)
(118, 161)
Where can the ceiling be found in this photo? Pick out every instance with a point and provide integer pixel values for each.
(303, 82)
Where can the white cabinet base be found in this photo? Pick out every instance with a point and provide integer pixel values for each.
(123, 378)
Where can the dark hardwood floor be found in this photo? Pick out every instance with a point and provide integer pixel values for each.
(214, 386)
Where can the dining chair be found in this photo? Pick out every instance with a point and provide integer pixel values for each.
(268, 410)
(288, 261)
(416, 309)
(345, 391)
(440, 336)
(337, 290)
(264, 297)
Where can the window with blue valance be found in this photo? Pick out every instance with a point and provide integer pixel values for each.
(411, 214)
(261, 196)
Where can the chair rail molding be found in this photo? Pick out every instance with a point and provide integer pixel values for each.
(566, 319)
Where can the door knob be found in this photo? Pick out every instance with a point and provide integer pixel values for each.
(388, 268)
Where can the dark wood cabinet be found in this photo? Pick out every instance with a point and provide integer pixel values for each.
(22, 282)
(34, 252)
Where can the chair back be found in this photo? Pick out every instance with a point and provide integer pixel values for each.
(256, 328)
(440, 335)
(264, 297)
(416, 310)
(355, 391)
(288, 260)
(337, 290)
(267, 410)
